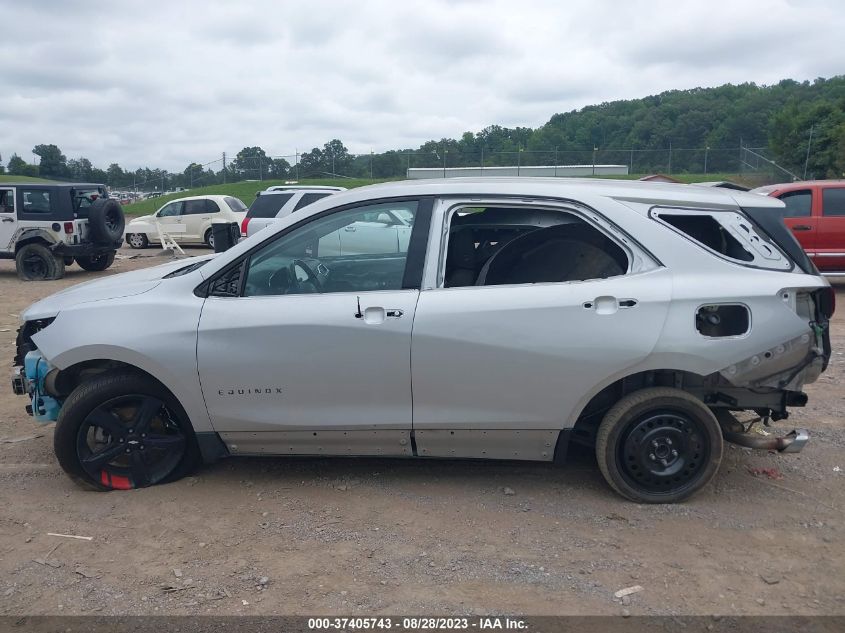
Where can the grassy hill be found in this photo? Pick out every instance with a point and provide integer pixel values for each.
(8, 178)
(244, 190)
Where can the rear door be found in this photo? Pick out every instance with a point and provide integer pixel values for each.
(499, 370)
(830, 234)
(194, 216)
(798, 216)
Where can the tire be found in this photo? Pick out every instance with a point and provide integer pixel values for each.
(209, 238)
(68, 261)
(96, 262)
(96, 448)
(106, 221)
(36, 262)
(659, 445)
(137, 240)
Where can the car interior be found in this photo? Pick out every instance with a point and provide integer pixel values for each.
(492, 246)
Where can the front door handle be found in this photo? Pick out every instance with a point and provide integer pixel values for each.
(802, 227)
(608, 305)
(395, 313)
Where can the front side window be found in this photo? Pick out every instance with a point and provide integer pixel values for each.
(799, 204)
(341, 252)
(170, 210)
(36, 201)
(833, 201)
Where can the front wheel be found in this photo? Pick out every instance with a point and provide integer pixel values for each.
(96, 262)
(124, 430)
(659, 445)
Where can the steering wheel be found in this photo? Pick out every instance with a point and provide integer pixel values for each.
(312, 276)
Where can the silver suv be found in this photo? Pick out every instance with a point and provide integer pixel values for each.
(279, 201)
(485, 318)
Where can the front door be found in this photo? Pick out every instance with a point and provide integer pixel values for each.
(799, 217)
(170, 219)
(8, 219)
(304, 350)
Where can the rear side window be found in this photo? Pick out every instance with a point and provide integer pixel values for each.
(194, 207)
(308, 198)
(728, 234)
(833, 201)
(36, 201)
(268, 206)
(235, 204)
(211, 206)
(798, 203)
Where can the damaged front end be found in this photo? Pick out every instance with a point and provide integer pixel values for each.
(772, 380)
(33, 374)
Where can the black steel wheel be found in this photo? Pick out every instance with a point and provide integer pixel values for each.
(36, 262)
(659, 445)
(123, 431)
(96, 262)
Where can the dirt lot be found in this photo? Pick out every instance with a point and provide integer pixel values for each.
(365, 536)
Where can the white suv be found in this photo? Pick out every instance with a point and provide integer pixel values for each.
(186, 220)
(279, 201)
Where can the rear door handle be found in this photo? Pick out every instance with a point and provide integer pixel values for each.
(8, 219)
(802, 227)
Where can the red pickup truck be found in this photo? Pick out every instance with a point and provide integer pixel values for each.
(815, 212)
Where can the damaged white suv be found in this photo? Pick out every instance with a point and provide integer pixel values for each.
(517, 316)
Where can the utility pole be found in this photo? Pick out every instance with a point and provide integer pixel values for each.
(333, 171)
(482, 160)
(518, 161)
(408, 171)
(296, 161)
(555, 161)
(670, 157)
(260, 166)
(224, 168)
(631, 168)
(706, 150)
(595, 149)
(807, 159)
(371, 164)
(445, 151)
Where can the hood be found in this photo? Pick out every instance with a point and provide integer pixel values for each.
(111, 287)
(142, 218)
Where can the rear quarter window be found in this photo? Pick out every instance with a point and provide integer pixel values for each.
(308, 198)
(235, 204)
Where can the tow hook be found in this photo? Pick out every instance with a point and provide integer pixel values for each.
(792, 442)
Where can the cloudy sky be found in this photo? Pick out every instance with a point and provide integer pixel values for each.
(162, 84)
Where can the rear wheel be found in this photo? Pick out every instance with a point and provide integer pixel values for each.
(137, 240)
(659, 445)
(124, 430)
(209, 238)
(36, 262)
(96, 262)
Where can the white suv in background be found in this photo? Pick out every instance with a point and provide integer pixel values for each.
(195, 214)
(279, 201)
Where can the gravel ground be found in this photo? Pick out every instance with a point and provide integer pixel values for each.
(364, 536)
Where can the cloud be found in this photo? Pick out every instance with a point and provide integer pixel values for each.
(164, 84)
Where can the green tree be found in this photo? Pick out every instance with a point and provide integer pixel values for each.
(19, 167)
(251, 163)
(53, 163)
